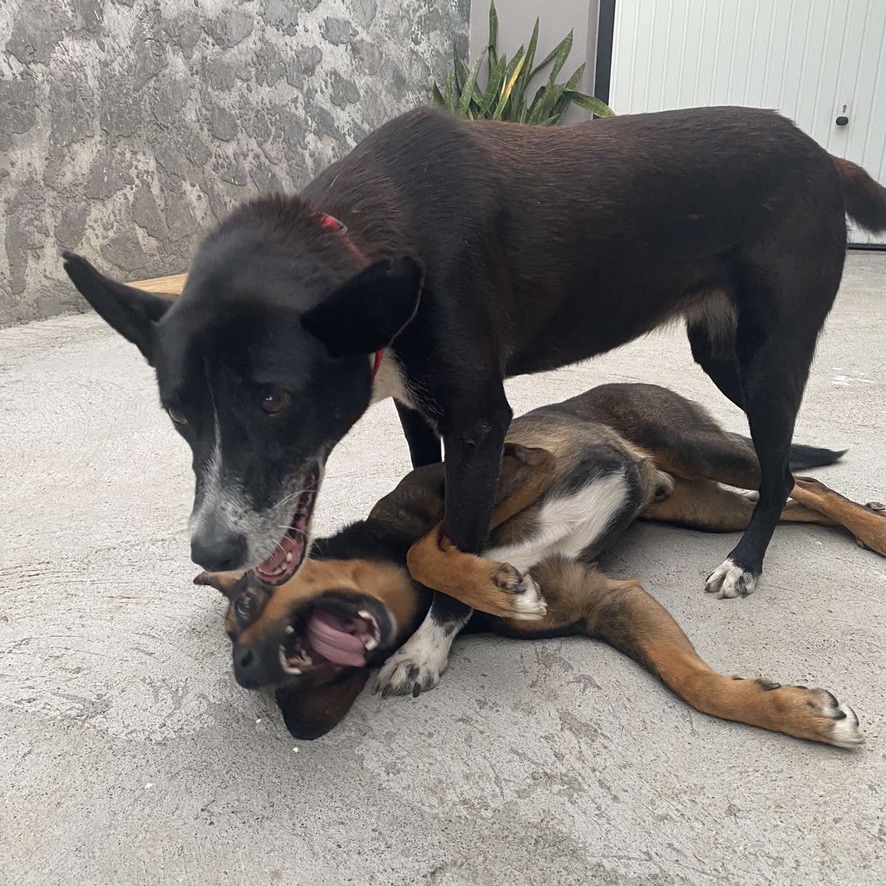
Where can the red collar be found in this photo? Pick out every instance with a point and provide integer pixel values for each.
(331, 223)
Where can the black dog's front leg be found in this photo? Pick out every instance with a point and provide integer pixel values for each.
(474, 441)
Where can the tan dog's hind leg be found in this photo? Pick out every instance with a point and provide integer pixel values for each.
(704, 504)
(622, 614)
(866, 522)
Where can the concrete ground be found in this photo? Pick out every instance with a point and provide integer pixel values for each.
(130, 756)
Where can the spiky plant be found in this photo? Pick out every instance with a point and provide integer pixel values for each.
(505, 95)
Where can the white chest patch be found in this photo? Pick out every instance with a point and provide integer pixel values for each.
(390, 381)
(568, 524)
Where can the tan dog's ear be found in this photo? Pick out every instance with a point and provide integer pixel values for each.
(229, 583)
(311, 711)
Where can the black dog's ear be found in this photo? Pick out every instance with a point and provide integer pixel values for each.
(132, 312)
(365, 314)
(312, 711)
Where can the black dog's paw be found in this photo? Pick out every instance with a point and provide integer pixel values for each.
(731, 580)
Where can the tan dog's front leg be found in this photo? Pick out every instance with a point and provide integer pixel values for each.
(496, 588)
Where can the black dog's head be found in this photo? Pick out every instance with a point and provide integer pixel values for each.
(313, 640)
(263, 364)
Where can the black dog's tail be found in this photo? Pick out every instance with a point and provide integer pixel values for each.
(865, 199)
(804, 457)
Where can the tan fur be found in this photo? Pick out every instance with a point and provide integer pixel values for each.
(624, 615)
(384, 581)
(866, 522)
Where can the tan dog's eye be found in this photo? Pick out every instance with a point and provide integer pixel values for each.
(177, 416)
(276, 400)
(244, 607)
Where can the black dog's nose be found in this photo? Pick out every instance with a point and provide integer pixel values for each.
(218, 551)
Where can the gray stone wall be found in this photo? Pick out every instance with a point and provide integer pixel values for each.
(127, 127)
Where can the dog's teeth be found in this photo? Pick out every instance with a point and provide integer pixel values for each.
(370, 643)
(289, 629)
(288, 556)
(287, 667)
(364, 614)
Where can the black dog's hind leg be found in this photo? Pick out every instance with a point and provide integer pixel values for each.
(473, 433)
(424, 444)
(718, 360)
(774, 355)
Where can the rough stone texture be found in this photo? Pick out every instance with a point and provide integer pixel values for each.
(128, 127)
(129, 756)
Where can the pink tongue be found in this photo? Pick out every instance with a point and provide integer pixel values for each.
(329, 637)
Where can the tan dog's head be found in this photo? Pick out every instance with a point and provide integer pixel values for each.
(314, 639)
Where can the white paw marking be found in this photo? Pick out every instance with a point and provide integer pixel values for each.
(418, 664)
(729, 580)
(530, 605)
(845, 732)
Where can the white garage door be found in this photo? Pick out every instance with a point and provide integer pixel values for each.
(820, 62)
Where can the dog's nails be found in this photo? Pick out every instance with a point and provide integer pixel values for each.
(416, 691)
(386, 691)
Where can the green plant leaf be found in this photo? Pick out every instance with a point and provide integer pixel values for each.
(575, 80)
(493, 88)
(492, 43)
(532, 114)
(525, 75)
(517, 63)
(463, 73)
(590, 103)
(449, 91)
(549, 100)
(438, 97)
(470, 87)
(558, 56)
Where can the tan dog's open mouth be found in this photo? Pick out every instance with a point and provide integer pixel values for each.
(334, 631)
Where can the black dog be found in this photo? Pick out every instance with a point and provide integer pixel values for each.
(532, 248)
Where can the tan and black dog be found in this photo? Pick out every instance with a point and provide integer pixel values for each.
(574, 476)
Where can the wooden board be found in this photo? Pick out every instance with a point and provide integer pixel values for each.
(171, 285)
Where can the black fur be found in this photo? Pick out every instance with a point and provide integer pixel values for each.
(539, 247)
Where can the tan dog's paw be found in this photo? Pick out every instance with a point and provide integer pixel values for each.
(875, 536)
(417, 665)
(524, 601)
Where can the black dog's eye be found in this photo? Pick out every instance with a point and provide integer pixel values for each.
(177, 416)
(244, 606)
(275, 400)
